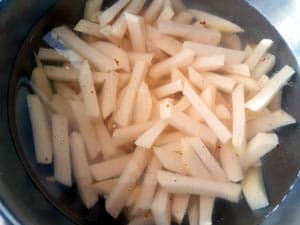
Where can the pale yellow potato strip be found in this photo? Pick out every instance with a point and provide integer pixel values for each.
(40, 80)
(116, 166)
(179, 206)
(168, 89)
(81, 171)
(161, 207)
(239, 69)
(224, 83)
(264, 66)
(209, 63)
(184, 17)
(125, 135)
(179, 184)
(88, 91)
(169, 137)
(123, 115)
(100, 61)
(86, 129)
(143, 104)
(61, 150)
(231, 55)
(238, 120)
(40, 129)
(206, 206)
(190, 32)
(163, 68)
(117, 198)
(137, 56)
(220, 130)
(109, 94)
(249, 83)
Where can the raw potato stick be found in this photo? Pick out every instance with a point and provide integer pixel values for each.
(254, 190)
(143, 104)
(117, 198)
(230, 40)
(131, 198)
(264, 66)
(239, 69)
(216, 22)
(206, 206)
(109, 94)
(137, 32)
(116, 166)
(269, 122)
(90, 28)
(184, 17)
(230, 163)
(170, 160)
(161, 207)
(238, 120)
(110, 13)
(184, 123)
(190, 32)
(178, 6)
(153, 11)
(100, 61)
(166, 14)
(81, 171)
(145, 198)
(213, 122)
(123, 113)
(231, 56)
(64, 90)
(114, 52)
(125, 135)
(61, 150)
(209, 63)
(275, 103)
(208, 160)
(40, 129)
(265, 95)
(224, 83)
(106, 145)
(193, 165)
(179, 206)
(197, 79)
(148, 138)
(262, 47)
(169, 137)
(119, 27)
(193, 211)
(168, 89)
(172, 146)
(137, 56)
(67, 74)
(91, 9)
(208, 95)
(104, 187)
(41, 82)
(249, 83)
(179, 184)
(181, 59)
(49, 54)
(88, 91)
(86, 129)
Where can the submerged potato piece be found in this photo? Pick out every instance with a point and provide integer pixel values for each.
(184, 17)
(249, 83)
(197, 79)
(142, 220)
(238, 120)
(123, 115)
(117, 198)
(81, 171)
(166, 14)
(86, 129)
(91, 8)
(39, 79)
(209, 63)
(254, 190)
(110, 13)
(239, 69)
(269, 122)
(168, 89)
(180, 184)
(265, 95)
(230, 163)
(193, 211)
(181, 59)
(100, 61)
(208, 95)
(231, 40)
(258, 146)
(170, 160)
(64, 90)
(224, 83)
(148, 138)
(88, 91)
(138, 56)
(137, 32)
(145, 198)
(61, 150)
(206, 206)
(90, 28)
(114, 52)
(264, 66)
(40, 129)
(161, 207)
(109, 94)
(222, 112)
(220, 130)
(190, 32)
(153, 11)
(67, 74)
(143, 104)
(49, 54)
(116, 166)
(125, 135)
(179, 206)
(201, 50)
(216, 22)
(104, 187)
(258, 52)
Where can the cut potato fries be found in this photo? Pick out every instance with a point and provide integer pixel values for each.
(158, 109)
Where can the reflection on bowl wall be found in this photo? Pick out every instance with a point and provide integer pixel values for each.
(32, 19)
